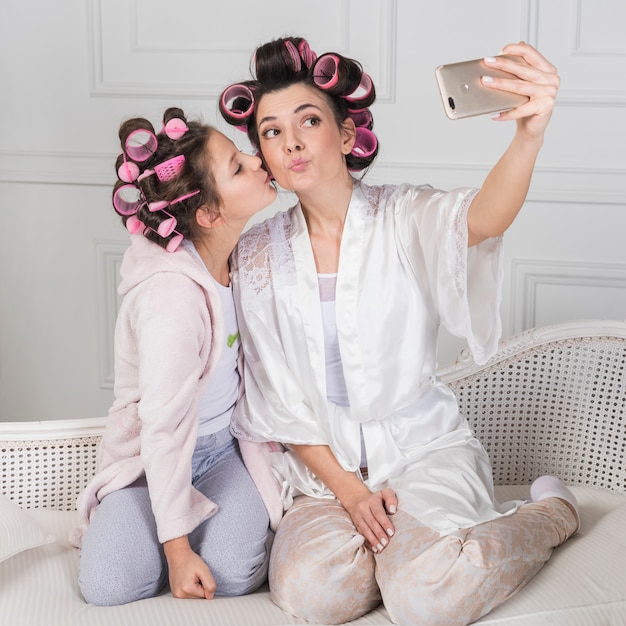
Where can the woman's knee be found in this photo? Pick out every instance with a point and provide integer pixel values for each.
(320, 569)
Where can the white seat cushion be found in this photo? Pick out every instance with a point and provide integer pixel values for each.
(583, 584)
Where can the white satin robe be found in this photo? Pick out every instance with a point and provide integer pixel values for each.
(404, 268)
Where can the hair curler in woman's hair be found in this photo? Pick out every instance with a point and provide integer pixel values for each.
(362, 118)
(366, 143)
(306, 54)
(293, 55)
(335, 74)
(237, 104)
(364, 93)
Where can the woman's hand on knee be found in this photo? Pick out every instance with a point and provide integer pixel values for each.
(370, 514)
(189, 575)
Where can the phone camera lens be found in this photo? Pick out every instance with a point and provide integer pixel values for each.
(451, 103)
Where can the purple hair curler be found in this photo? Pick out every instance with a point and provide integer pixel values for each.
(307, 55)
(362, 118)
(363, 91)
(294, 55)
(237, 101)
(141, 144)
(325, 71)
(365, 144)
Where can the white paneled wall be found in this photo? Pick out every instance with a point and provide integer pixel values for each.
(72, 70)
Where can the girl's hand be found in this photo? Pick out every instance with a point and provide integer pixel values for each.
(370, 515)
(189, 575)
(537, 78)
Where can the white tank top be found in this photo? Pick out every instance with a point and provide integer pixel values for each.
(218, 401)
(336, 390)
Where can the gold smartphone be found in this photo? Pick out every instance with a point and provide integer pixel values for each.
(463, 95)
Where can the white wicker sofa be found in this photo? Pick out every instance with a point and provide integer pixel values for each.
(552, 401)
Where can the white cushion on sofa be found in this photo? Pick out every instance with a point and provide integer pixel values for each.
(18, 530)
(577, 587)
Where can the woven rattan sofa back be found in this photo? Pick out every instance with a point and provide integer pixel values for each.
(554, 408)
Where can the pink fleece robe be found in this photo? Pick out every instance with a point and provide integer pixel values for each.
(168, 340)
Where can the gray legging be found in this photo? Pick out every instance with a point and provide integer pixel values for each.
(122, 560)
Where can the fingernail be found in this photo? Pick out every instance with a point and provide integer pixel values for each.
(374, 549)
(490, 59)
(384, 541)
(392, 509)
(390, 532)
(380, 547)
(487, 79)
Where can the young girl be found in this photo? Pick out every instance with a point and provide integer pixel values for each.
(388, 493)
(172, 497)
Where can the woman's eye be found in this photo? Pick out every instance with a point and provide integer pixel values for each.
(269, 133)
(311, 121)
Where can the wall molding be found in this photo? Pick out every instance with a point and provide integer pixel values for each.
(109, 256)
(527, 276)
(121, 47)
(596, 97)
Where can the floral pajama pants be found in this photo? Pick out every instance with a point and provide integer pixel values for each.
(320, 569)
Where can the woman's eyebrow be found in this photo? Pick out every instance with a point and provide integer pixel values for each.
(298, 109)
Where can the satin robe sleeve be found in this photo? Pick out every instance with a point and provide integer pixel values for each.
(465, 284)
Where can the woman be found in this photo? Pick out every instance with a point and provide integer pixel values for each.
(172, 498)
(388, 493)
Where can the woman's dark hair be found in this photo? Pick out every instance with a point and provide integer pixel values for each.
(288, 61)
(190, 180)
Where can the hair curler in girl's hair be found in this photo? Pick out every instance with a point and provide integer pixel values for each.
(237, 104)
(140, 144)
(163, 178)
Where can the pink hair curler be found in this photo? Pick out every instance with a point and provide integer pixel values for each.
(363, 91)
(325, 71)
(135, 226)
(174, 242)
(233, 99)
(170, 169)
(127, 199)
(167, 226)
(141, 144)
(365, 144)
(307, 55)
(128, 171)
(159, 205)
(294, 55)
(175, 128)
